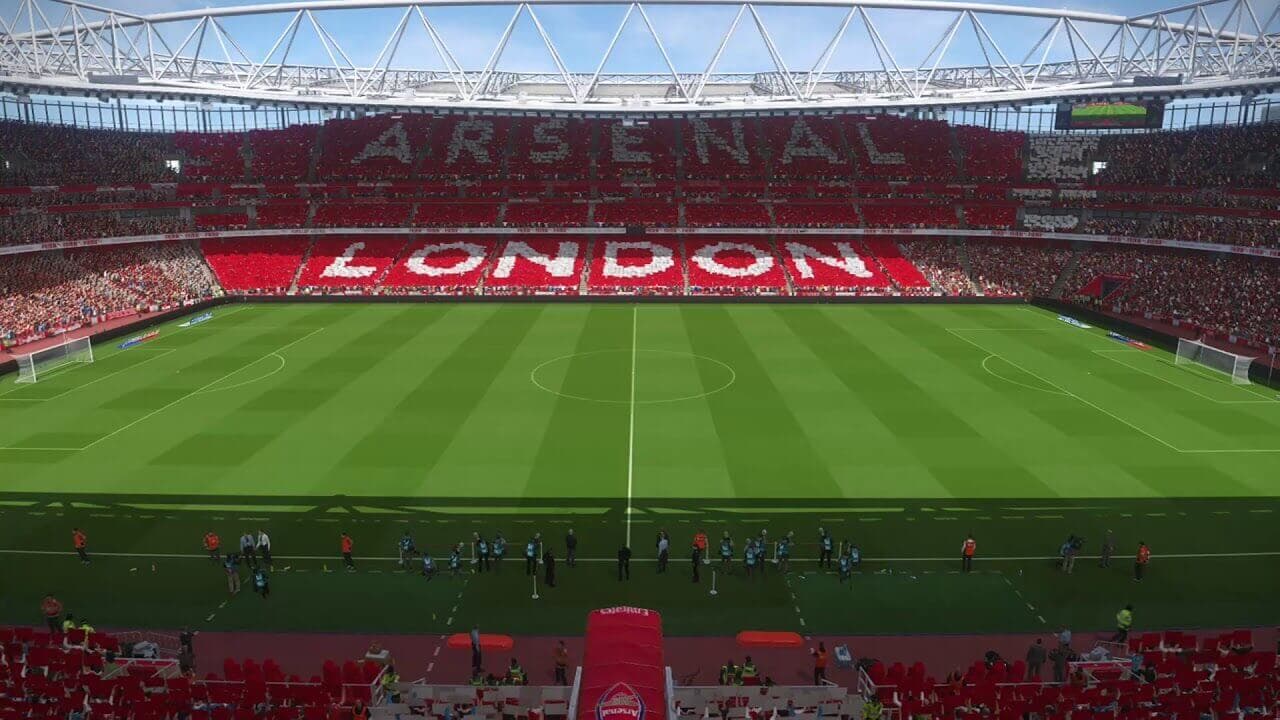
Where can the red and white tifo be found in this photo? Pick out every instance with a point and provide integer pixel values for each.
(563, 265)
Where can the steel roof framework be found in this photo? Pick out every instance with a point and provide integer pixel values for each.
(95, 50)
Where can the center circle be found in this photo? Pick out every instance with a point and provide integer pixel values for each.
(605, 376)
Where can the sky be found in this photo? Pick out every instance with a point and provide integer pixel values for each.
(690, 34)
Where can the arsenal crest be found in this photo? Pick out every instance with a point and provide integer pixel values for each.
(620, 702)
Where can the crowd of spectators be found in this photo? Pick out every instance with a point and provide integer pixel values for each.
(1111, 226)
(35, 154)
(1016, 268)
(1253, 232)
(42, 293)
(1222, 294)
(939, 260)
(1229, 156)
(30, 229)
(1057, 222)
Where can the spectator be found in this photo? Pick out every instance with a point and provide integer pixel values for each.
(1035, 660)
(561, 658)
(51, 607)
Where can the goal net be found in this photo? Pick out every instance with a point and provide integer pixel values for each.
(1194, 352)
(36, 365)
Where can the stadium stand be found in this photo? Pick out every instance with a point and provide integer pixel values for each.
(348, 263)
(825, 268)
(939, 261)
(257, 265)
(722, 149)
(1226, 296)
(547, 149)
(43, 294)
(35, 154)
(82, 673)
(1210, 185)
(211, 157)
(382, 147)
(1016, 269)
(733, 266)
(1169, 674)
(814, 214)
(636, 267)
(537, 266)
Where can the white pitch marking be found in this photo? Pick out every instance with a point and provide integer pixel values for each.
(631, 431)
(161, 409)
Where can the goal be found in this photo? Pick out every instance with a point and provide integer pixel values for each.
(1194, 352)
(34, 366)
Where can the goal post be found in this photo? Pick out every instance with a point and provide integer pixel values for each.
(1235, 366)
(34, 366)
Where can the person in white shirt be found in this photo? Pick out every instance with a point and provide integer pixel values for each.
(264, 547)
(247, 548)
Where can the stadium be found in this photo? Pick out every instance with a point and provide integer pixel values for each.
(564, 360)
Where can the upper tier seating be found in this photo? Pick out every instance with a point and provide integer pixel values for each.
(846, 148)
(282, 155)
(546, 214)
(467, 147)
(367, 214)
(550, 148)
(901, 148)
(722, 149)
(906, 216)
(807, 148)
(645, 213)
(988, 155)
(211, 156)
(382, 147)
(35, 154)
(636, 151)
(814, 214)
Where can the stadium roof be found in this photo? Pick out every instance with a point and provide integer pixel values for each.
(314, 52)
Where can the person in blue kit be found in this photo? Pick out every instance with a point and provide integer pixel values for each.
(531, 554)
(826, 546)
(499, 551)
(846, 564)
(261, 582)
(855, 555)
(750, 557)
(405, 545)
(455, 560)
(784, 553)
(726, 553)
(428, 566)
(762, 550)
(482, 552)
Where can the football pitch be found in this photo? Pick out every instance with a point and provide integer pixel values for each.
(897, 427)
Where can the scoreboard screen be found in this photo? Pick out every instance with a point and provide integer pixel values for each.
(1100, 116)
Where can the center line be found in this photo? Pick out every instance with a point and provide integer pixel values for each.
(631, 433)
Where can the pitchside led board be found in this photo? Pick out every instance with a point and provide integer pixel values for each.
(1147, 115)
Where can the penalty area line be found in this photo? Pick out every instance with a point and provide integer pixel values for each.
(199, 390)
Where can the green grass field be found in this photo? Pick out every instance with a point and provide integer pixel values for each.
(899, 427)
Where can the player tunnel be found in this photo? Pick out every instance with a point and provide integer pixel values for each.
(623, 674)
